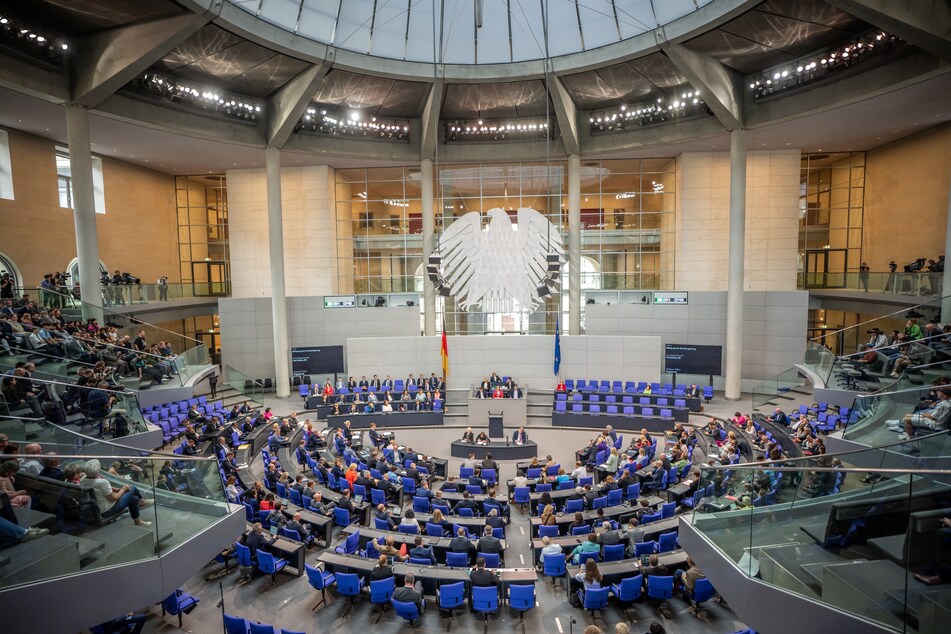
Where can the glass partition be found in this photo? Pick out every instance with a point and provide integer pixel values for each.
(819, 359)
(878, 419)
(769, 389)
(103, 506)
(252, 389)
(916, 284)
(853, 538)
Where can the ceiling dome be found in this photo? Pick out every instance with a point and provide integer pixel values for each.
(470, 31)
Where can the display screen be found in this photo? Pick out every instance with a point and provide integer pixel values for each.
(317, 360)
(685, 358)
(670, 297)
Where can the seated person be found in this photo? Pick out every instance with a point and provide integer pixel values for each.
(482, 438)
(490, 544)
(411, 592)
(934, 420)
(382, 570)
(654, 568)
(482, 578)
(111, 500)
(549, 550)
(422, 552)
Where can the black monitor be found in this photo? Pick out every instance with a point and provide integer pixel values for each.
(685, 358)
(317, 360)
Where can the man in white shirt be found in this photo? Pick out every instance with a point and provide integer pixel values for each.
(935, 419)
(877, 338)
(579, 472)
(550, 549)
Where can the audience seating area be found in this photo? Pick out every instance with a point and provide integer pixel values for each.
(172, 417)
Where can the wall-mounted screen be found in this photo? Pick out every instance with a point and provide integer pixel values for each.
(670, 297)
(317, 360)
(685, 358)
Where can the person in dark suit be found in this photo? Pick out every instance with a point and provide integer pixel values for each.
(382, 570)
(257, 540)
(351, 384)
(482, 578)
(589, 496)
(364, 383)
(468, 436)
(654, 568)
(494, 521)
(412, 472)
(461, 544)
(467, 503)
(295, 525)
(489, 463)
(422, 552)
(609, 537)
(345, 502)
(382, 513)
(490, 544)
(480, 393)
(375, 436)
(520, 437)
(410, 592)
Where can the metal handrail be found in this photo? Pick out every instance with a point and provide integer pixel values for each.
(936, 300)
(902, 343)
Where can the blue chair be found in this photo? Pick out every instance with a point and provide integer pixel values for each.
(615, 497)
(702, 591)
(244, 555)
(295, 497)
(451, 596)
(652, 517)
(350, 545)
(633, 491)
(574, 506)
(235, 625)
(614, 552)
(485, 599)
(359, 489)
(533, 473)
(629, 589)
(270, 565)
(407, 610)
(586, 480)
(457, 560)
(542, 488)
(708, 392)
(341, 517)
(645, 548)
(350, 585)
(419, 561)
(554, 567)
(473, 489)
(667, 542)
(491, 476)
(548, 531)
(319, 580)
(600, 503)
(409, 486)
(381, 524)
(433, 530)
(522, 496)
(488, 506)
(381, 592)
(260, 628)
(283, 631)
(492, 560)
(420, 505)
(667, 510)
(594, 599)
(465, 512)
(377, 497)
(409, 529)
(179, 603)
(581, 530)
(583, 557)
(466, 472)
(660, 588)
(522, 598)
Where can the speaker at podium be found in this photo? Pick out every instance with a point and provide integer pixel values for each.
(496, 427)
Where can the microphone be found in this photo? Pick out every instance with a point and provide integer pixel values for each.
(571, 624)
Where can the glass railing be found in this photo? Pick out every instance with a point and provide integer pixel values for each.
(61, 397)
(113, 295)
(878, 419)
(920, 283)
(147, 504)
(251, 389)
(189, 355)
(819, 359)
(773, 387)
(851, 537)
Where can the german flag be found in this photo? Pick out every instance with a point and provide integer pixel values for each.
(444, 352)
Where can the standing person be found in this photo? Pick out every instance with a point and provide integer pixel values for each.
(890, 285)
(213, 384)
(163, 288)
(863, 275)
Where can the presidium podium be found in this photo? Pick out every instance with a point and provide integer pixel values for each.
(502, 416)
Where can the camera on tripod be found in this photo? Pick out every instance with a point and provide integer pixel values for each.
(915, 266)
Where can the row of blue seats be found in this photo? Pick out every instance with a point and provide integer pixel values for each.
(238, 625)
(398, 388)
(578, 397)
(625, 410)
(630, 387)
(351, 546)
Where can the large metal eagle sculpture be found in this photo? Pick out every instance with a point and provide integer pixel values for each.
(492, 265)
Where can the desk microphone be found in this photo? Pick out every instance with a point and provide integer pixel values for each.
(571, 624)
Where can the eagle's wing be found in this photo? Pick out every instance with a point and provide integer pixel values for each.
(536, 239)
(460, 246)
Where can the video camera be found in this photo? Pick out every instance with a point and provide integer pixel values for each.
(915, 266)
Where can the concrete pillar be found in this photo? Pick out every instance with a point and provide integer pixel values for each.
(737, 251)
(275, 227)
(429, 229)
(574, 244)
(84, 209)
(946, 283)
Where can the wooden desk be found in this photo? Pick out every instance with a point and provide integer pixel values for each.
(321, 525)
(568, 542)
(615, 571)
(619, 514)
(440, 545)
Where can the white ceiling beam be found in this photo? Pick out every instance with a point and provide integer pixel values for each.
(286, 106)
(566, 113)
(429, 122)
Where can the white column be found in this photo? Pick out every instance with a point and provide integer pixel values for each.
(429, 228)
(737, 251)
(84, 209)
(574, 244)
(946, 283)
(275, 227)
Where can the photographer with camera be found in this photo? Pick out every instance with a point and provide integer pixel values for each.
(163, 288)
(6, 286)
(890, 284)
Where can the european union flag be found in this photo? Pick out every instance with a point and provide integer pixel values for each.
(557, 346)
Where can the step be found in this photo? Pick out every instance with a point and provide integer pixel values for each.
(123, 542)
(38, 559)
(781, 565)
(28, 518)
(815, 571)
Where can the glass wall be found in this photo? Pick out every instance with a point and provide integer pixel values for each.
(831, 210)
(627, 223)
(202, 203)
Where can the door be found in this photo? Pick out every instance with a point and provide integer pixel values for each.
(825, 268)
(209, 278)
